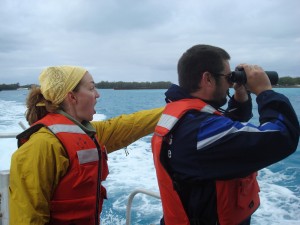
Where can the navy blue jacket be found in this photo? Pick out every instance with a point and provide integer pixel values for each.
(206, 147)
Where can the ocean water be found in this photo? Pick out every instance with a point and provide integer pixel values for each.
(279, 183)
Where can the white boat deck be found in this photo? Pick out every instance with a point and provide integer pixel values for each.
(4, 182)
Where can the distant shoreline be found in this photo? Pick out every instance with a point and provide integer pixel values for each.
(144, 88)
(286, 86)
(135, 88)
(283, 82)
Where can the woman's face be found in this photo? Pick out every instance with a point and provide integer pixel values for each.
(86, 97)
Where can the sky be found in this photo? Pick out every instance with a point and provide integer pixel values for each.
(142, 40)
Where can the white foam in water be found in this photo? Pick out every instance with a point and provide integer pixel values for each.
(279, 205)
(131, 172)
(99, 117)
(11, 113)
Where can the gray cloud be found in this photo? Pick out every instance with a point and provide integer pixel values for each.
(142, 40)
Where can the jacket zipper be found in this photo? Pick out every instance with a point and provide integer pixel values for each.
(98, 196)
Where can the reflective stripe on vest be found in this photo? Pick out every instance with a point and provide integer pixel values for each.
(84, 156)
(167, 121)
(88, 155)
(59, 128)
(229, 211)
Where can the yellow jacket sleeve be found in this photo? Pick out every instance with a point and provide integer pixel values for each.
(36, 168)
(121, 131)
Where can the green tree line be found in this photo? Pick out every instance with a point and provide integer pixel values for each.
(133, 85)
(282, 81)
(9, 86)
(289, 81)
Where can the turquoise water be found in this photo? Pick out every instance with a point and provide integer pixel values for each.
(280, 183)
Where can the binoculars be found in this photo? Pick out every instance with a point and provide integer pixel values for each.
(240, 77)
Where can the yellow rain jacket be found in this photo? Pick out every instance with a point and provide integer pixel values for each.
(39, 164)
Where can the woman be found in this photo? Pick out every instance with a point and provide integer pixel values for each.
(56, 174)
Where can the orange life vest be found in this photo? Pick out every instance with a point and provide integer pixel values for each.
(237, 199)
(79, 195)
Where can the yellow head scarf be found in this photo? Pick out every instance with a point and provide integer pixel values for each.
(57, 81)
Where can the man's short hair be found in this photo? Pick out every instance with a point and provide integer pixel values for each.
(197, 60)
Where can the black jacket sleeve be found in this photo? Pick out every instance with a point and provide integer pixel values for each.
(239, 111)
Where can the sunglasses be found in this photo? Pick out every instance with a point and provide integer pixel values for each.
(227, 76)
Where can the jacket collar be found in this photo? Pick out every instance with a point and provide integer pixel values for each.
(175, 93)
(85, 125)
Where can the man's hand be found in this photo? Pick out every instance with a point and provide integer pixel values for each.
(241, 94)
(257, 79)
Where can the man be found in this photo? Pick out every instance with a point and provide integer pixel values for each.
(206, 159)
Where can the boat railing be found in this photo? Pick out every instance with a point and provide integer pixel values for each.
(8, 135)
(12, 135)
(130, 199)
(4, 183)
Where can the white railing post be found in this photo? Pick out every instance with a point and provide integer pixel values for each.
(130, 198)
(4, 183)
(4, 211)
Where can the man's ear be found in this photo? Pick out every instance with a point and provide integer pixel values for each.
(207, 79)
